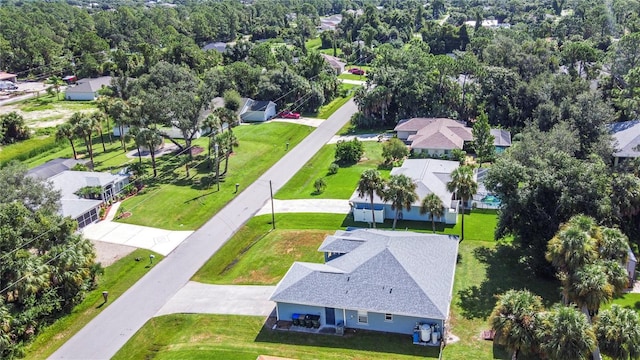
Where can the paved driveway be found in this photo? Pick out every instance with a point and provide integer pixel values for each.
(329, 206)
(198, 298)
(114, 326)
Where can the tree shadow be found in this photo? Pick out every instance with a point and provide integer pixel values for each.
(504, 271)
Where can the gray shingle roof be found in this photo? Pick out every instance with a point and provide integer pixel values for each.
(443, 133)
(627, 138)
(54, 167)
(501, 137)
(90, 85)
(429, 175)
(395, 272)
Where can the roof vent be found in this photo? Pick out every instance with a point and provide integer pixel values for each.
(348, 277)
(390, 290)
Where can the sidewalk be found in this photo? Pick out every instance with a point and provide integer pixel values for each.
(330, 206)
(198, 298)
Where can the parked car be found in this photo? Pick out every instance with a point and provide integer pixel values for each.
(356, 71)
(289, 115)
(8, 85)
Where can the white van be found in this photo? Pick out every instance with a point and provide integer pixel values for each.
(8, 85)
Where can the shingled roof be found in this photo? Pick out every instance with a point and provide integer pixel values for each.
(627, 138)
(396, 272)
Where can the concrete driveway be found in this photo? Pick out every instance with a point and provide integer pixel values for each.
(198, 298)
(159, 240)
(329, 206)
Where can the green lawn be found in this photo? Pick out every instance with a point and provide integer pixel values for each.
(257, 256)
(117, 278)
(328, 109)
(188, 336)
(353, 77)
(340, 185)
(629, 300)
(52, 102)
(177, 202)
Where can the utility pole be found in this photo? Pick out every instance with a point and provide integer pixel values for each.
(273, 214)
(217, 167)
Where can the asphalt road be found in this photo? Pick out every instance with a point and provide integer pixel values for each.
(112, 328)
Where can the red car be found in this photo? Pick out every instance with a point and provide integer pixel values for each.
(289, 115)
(356, 71)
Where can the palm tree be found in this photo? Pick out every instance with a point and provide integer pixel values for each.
(56, 82)
(514, 320)
(65, 131)
(565, 334)
(401, 192)
(464, 186)
(618, 333)
(98, 118)
(589, 288)
(150, 139)
(104, 104)
(132, 134)
(84, 126)
(226, 116)
(212, 124)
(613, 245)
(227, 140)
(433, 205)
(371, 182)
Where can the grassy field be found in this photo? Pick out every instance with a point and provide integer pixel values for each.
(244, 337)
(256, 255)
(353, 77)
(328, 110)
(340, 185)
(117, 279)
(191, 200)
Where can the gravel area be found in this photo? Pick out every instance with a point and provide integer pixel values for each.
(108, 253)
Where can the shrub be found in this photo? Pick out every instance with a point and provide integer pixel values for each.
(348, 152)
(333, 169)
(320, 184)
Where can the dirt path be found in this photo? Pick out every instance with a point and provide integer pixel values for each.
(108, 253)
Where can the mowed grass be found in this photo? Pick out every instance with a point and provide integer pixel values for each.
(177, 202)
(353, 77)
(116, 279)
(53, 102)
(327, 110)
(485, 269)
(340, 185)
(628, 300)
(189, 336)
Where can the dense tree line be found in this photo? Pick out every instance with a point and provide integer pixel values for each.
(46, 267)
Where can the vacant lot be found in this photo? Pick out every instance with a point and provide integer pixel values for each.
(47, 110)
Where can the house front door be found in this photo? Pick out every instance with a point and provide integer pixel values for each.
(330, 314)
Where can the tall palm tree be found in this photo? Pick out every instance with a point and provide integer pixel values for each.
(104, 104)
(433, 205)
(565, 334)
(401, 192)
(212, 124)
(227, 140)
(514, 320)
(618, 333)
(227, 116)
(589, 288)
(464, 186)
(84, 126)
(132, 134)
(98, 118)
(370, 183)
(55, 82)
(150, 139)
(65, 131)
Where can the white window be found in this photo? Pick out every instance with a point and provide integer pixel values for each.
(363, 317)
(388, 317)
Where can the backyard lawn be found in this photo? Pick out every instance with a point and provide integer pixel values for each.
(257, 255)
(177, 202)
(117, 279)
(189, 336)
(340, 185)
(353, 77)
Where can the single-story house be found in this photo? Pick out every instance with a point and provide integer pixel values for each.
(87, 89)
(218, 46)
(430, 176)
(336, 64)
(56, 166)
(257, 111)
(377, 280)
(5, 76)
(626, 137)
(440, 136)
(83, 210)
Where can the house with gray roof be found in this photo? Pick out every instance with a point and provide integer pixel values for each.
(82, 209)
(336, 64)
(438, 137)
(257, 111)
(626, 137)
(87, 89)
(376, 280)
(430, 176)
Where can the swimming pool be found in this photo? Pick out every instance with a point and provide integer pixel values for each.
(490, 200)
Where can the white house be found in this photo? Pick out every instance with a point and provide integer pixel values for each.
(626, 137)
(87, 89)
(430, 176)
(68, 182)
(257, 111)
